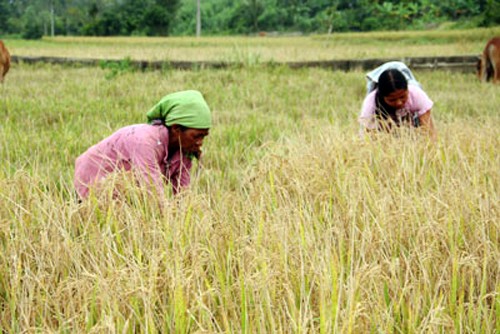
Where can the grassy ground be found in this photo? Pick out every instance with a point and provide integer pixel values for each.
(294, 224)
(263, 49)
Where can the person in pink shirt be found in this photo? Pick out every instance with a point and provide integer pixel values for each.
(395, 103)
(156, 152)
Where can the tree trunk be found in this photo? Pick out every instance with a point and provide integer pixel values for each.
(52, 19)
(198, 19)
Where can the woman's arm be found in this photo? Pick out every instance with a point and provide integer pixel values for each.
(366, 117)
(149, 171)
(428, 124)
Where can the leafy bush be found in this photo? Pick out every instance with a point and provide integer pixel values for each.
(492, 13)
(32, 25)
(116, 68)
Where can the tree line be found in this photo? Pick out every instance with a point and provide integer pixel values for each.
(34, 18)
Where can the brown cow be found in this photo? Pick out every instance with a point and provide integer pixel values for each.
(4, 61)
(488, 65)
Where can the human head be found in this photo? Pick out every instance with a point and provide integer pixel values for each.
(391, 80)
(189, 140)
(392, 88)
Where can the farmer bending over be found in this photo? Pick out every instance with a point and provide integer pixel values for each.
(156, 152)
(394, 103)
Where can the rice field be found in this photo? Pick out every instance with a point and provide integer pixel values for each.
(292, 224)
(263, 49)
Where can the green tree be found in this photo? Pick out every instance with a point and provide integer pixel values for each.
(491, 13)
(165, 17)
(245, 18)
(32, 24)
(4, 15)
(158, 17)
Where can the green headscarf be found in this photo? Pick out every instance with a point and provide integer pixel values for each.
(187, 108)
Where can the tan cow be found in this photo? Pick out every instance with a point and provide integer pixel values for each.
(4, 61)
(488, 65)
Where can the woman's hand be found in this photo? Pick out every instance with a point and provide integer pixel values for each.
(428, 125)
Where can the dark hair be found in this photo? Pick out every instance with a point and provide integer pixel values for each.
(160, 121)
(182, 128)
(389, 81)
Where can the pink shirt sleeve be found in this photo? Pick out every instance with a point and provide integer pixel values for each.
(149, 157)
(142, 148)
(146, 162)
(367, 116)
(418, 101)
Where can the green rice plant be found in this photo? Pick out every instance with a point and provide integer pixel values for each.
(116, 67)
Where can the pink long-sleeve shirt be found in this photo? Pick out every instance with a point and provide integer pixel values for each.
(141, 147)
(418, 102)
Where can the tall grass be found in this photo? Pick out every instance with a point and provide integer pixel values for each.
(292, 224)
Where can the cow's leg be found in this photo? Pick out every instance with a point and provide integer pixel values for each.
(495, 64)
